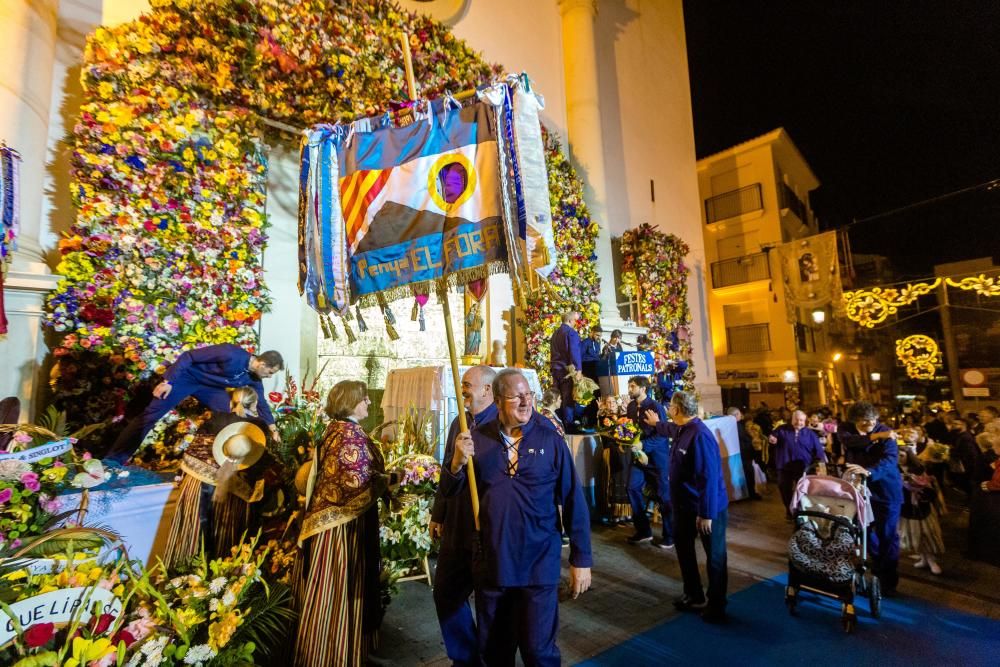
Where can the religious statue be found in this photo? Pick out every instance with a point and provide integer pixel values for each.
(473, 330)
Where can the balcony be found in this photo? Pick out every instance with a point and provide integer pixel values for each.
(733, 203)
(739, 270)
(788, 199)
(748, 339)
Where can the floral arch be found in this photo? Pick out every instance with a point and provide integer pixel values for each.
(169, 174)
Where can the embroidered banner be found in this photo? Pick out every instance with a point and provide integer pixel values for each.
(412, 204)
(810, 271)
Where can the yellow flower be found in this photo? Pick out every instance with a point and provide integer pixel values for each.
(15, 575)
(86, 651)
(220, 632)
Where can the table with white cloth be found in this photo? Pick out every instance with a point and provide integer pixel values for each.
(724, 430)
(430, 389)
(139, 507)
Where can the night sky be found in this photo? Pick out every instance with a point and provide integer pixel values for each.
(890, 103)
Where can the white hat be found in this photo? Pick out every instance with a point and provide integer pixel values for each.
(241, 442)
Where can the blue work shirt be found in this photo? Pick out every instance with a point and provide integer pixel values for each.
(220, 366)
(455, 514)
(803, 446)
(565, 346)
(591, 350)
(880, 458)
(651, 438)
(519, 515)
(696, 482)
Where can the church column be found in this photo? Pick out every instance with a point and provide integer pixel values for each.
(586, 141)
(27, 51)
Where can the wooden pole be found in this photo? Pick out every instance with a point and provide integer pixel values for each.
(411, 84)
(456, 378)
(463, 425)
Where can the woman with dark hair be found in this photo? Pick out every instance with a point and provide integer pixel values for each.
(870, 450)
(339, 599)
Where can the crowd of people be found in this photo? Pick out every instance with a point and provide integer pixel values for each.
(504, 551)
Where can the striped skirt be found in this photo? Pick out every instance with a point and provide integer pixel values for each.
(922, 536)
(338, 625)
(196, 514)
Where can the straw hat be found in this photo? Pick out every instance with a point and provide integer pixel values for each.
(240, 442)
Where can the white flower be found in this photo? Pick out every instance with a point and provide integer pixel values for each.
(228, 599)
(196, 655)
(12, 469)
(216, 586)
(213, 604)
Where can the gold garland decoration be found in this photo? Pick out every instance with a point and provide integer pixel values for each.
(919, 354)
(871, 306)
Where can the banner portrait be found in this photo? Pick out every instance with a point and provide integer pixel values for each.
(810, 272)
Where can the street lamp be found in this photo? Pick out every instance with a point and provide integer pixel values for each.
(875, 376)
(789, 376)
(819, 316)
(837, 356)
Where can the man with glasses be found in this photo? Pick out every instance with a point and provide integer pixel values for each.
(870, 450)
(698, 494)
(524, 473)
(451, 520)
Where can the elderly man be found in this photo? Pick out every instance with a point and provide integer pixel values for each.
(796, 448)
(698, 494)
(566, 355)
(451, 520)
(525, 473)
(204, 373)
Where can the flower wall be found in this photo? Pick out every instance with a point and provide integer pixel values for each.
(169, 173)
(574, 282)
(653, 271)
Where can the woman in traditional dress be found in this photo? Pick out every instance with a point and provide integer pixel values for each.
(551, 400)
(339, 599)
(612, 468)
(223, 473)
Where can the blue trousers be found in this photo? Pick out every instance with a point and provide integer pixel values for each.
(686, 532)
(653, 475)
(883, 545)
(452, 588)
(523, 617)
(214, 398)
(566, 411)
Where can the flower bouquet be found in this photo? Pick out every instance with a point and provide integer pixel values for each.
(935, 452)
(626, 433)
(584, 388)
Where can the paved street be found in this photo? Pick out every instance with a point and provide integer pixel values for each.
(634, 586)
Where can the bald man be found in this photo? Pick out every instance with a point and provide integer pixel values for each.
(796, 448)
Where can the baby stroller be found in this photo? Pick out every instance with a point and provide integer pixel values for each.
(828, 552)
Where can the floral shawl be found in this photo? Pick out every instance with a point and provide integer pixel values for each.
(349, 477)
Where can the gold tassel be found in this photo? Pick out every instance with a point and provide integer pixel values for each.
(351, 338)
(415, 311)
(391, 330)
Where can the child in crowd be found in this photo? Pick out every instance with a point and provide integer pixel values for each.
(919, 528)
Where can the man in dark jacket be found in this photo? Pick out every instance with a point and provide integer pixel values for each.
(698, 494)
(452, 521)
(795, 449)
(524, 473)
(204, 373)
(871, 451)
(653, 473)
(565, 355)
(746, 452)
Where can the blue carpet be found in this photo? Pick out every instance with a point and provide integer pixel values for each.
(761, 631)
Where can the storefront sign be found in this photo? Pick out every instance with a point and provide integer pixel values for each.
(58, 607)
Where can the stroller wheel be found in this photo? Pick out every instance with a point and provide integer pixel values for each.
(875, 597)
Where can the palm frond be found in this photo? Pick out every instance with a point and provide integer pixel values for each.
(54, 420)
(270, 619)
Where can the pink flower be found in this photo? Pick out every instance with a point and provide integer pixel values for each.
(5, 495)
(22, 438)
(30, 481)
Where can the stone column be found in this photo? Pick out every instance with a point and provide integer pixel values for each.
(586, 136)
(27, 51)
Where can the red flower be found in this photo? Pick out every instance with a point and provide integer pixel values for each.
(103, 623)
(39, 634)
(123, 636)
(275, 397)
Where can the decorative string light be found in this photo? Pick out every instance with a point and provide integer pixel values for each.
(871, 306)
(920, 355)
